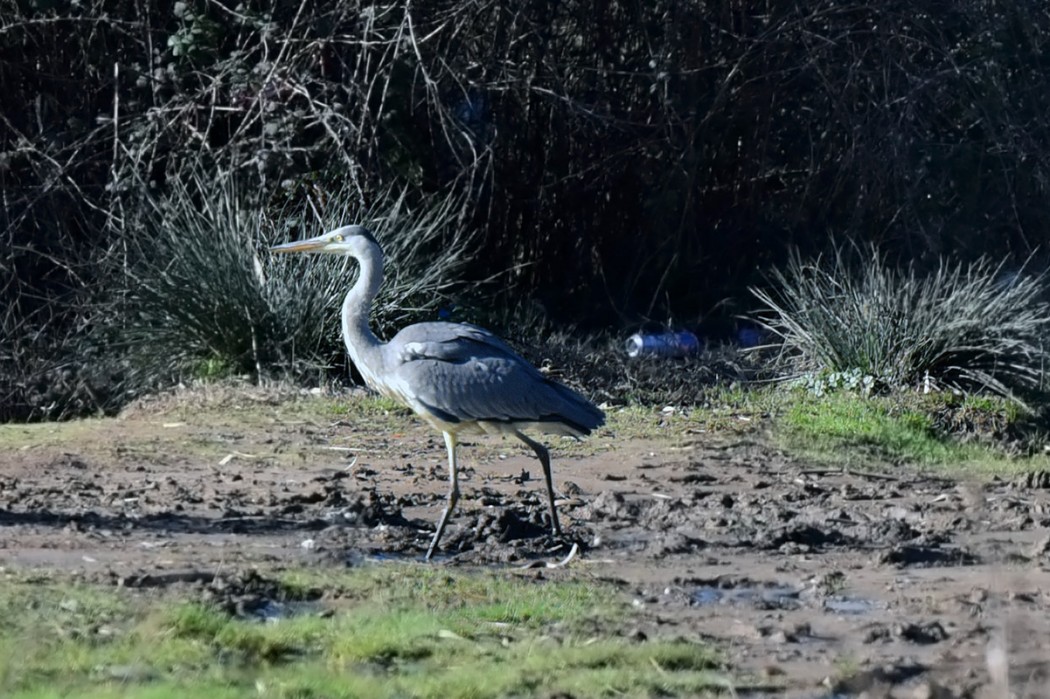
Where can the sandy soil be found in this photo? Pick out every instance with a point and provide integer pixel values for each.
(814, 581)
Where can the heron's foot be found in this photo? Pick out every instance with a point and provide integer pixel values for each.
(555, 532)
(558, 539)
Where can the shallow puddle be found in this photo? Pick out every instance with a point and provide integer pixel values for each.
(779, 596)
(766, 596)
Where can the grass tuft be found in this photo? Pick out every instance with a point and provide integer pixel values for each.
(968, 327)
(199, 296)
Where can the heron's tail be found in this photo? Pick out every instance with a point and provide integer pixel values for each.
(575, 411)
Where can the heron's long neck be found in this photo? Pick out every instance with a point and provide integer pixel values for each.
(361, 343)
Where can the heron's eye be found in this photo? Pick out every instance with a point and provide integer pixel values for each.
(337, 238)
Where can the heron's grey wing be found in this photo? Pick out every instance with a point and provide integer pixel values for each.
(462, 373)
(451, 341)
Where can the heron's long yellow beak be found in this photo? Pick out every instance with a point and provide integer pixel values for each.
(308, 245)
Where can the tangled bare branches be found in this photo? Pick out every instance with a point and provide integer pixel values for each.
(628, 161)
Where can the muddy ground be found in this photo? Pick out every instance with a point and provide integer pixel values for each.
(814, 581)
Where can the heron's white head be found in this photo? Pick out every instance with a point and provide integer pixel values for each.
(348, 240)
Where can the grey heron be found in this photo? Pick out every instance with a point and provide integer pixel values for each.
(458, 377)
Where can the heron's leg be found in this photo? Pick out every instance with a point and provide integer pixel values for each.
(453, 492)
(545, 459)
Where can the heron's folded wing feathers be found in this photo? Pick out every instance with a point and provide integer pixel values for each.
(462, 373)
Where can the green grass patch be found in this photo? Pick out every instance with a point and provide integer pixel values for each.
(868, 426)
(853, 430)
(387, 631)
